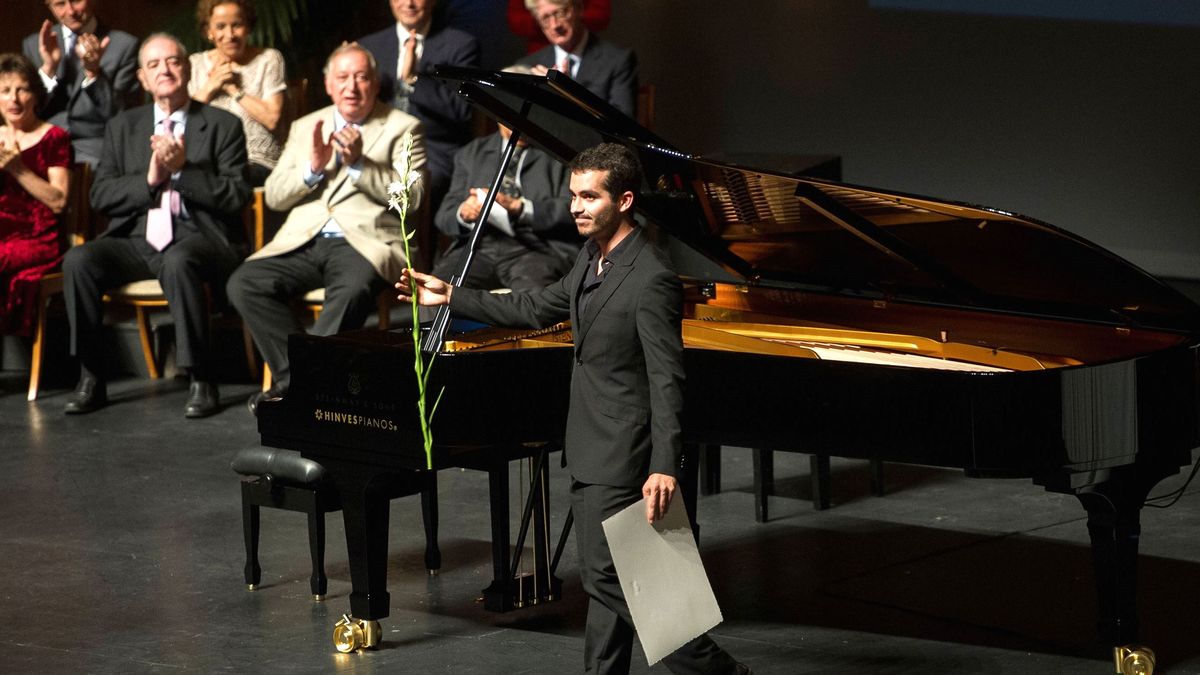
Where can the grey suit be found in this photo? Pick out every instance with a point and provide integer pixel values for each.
(609, 71)
(84, 111)
(541, 250)
(206, 245)
(624, 421)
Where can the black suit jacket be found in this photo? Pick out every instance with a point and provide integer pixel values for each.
(83, 111)
(609, 71)
(544, 181)
(445, 115)
(212, 183)
(626, 408)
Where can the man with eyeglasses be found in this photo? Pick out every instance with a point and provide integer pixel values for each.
(609, 71)
(340, 235)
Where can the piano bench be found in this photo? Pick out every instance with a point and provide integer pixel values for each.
(283, 479)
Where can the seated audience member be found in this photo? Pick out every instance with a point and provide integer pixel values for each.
(339, 233)
(35, 160)
(174, 216)
(531, 239)
(406, 52)
(87, 69)
(596, 14)
(605, 69)
(247, 81)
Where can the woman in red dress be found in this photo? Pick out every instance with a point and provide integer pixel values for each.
(35, 160)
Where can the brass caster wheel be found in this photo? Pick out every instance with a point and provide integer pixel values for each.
(1133, 660)
(318, 598)
(350, 634)
(252, 587)
(347, 635)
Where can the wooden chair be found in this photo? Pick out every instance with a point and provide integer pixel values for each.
(77, 227)
(311, 302)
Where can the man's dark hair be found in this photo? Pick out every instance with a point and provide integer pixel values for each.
(16, 64)
(624, 170)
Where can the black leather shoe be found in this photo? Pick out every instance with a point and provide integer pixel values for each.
(260, 396)
(203, 400)
(90, 395)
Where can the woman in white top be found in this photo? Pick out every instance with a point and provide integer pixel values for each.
(247, 81)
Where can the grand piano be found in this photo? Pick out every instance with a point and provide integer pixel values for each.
(839, 319)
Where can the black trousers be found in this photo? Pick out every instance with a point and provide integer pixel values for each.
(263, 290)
(504, 262)
(608, 637)
(182, 269)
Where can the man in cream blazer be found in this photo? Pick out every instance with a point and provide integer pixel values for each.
(339, 234)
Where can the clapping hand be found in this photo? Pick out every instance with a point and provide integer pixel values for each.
(322, 150)
(10, 150)
(168, 155)
(90, 49)
(49, 48)
(349, 141)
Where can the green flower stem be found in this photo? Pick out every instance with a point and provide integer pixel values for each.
(399, 200)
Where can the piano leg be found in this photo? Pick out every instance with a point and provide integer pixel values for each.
(365, 493)
(1114, 525)
(429, 516)
(819, 475)
(764, 482)
(497, 597)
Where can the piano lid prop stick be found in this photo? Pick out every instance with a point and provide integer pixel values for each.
(441, 321)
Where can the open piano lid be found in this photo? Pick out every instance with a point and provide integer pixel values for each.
(764, 228)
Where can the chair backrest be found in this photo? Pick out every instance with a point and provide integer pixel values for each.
(645, 106)
(295, 104)
(78, 225)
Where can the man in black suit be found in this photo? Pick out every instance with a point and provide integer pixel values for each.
(88, 69)
(530, 239)
(624, 436)
(172, 181)
(406, 53)
(605, 69)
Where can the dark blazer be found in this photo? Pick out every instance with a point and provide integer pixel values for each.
(212, 183)
(544, 181)
(625, 418)
(83, 111)
(609, 71)
(445, 116)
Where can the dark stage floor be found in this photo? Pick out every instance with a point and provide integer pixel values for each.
(120, 536)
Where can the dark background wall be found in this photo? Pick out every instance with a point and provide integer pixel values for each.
(1089, 125)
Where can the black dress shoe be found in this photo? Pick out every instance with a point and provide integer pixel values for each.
(260, 396)
(90, 395)
(203, 400)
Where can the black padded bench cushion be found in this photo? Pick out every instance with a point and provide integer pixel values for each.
(286, 466)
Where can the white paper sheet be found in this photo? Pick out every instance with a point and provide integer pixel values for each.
(662, 577)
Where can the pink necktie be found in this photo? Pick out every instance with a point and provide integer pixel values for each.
(565, 66)
(158, 221)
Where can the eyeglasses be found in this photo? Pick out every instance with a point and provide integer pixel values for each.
(561, 14)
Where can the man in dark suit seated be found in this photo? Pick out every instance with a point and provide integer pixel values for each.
(172, 181)
(406, 53)
(530, 238)
(88, 70)
(607, 70)
(624, 439)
